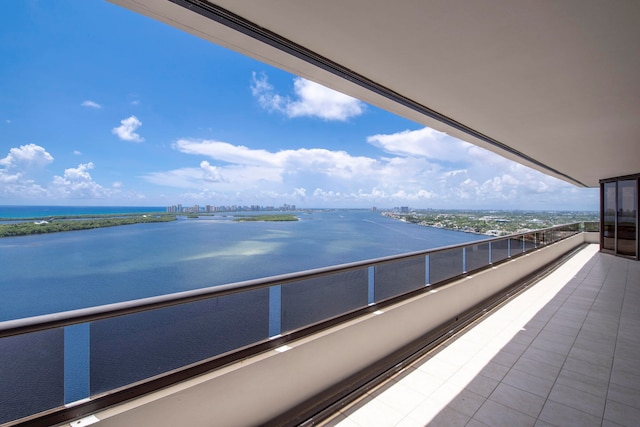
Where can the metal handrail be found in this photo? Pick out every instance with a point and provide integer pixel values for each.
(72, 317)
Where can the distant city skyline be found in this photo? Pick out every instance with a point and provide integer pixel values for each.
(147, 115)
(197, 208)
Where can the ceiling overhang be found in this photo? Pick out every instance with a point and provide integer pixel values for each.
(551, 85)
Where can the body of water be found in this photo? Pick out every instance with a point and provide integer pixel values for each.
(62, 271)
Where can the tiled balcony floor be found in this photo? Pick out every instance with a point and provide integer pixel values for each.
(565, 352)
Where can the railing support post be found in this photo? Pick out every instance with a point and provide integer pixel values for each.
(464, 260)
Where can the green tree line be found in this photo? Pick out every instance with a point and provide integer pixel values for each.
(30, 228)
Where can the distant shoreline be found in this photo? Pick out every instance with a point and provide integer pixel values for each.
(26, 227)
(492, 223)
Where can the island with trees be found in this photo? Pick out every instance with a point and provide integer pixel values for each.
(73, 223)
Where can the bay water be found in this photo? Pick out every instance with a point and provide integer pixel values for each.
(55, 272)
(63, 271)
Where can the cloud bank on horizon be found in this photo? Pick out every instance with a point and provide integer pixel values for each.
(216, 131)
(421, 167)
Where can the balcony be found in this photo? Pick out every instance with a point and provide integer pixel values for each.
(286, 350)
(564, 352)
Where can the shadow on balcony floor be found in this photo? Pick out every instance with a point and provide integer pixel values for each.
(564, 352)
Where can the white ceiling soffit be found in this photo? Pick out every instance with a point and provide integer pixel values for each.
(554, 85)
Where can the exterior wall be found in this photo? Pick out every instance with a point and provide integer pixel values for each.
(255, 390)
(592, 237)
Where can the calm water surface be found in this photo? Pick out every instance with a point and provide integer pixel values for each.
(63, 271)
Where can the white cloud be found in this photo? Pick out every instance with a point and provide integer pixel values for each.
(127, 129)
(30, 155)
(413, 170)
(77, 153)
(425, 142)
(310, 100)
(18, 168)
(91, 104)
(210, 173)
(77, 183)
(225, 152)
(24, 176)
(314, 160)
(255, 174)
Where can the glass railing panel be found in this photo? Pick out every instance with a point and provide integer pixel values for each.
(398, 277)
(31, 374)
(549, 236)
(592, 226)
(499, 250)
(138, 346)
(541, 239)
(477, 256)
(529, 242)
(516, 246)
(313, 300)
(445, 265)
(566, 231)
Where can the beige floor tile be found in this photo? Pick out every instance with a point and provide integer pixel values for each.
(578, 399)
(498, 415)
(529, 382)
(520, 400)
(624, 395)
(449, 417)
(467, 402)
(561, 415)
(421, 382)
(586, 383)
(400, 397)
(375, 414)
(622, 414)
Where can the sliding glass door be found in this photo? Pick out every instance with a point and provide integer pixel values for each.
(608, 213)
(619, 216)
(627, 217)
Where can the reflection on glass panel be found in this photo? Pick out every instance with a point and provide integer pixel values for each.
(499, 250)
(311, 301)
(609, 208)
(477, 256)
(398, 277)
(137, 346)
(31, 374)
(529, 242)
(627, 205)
(592, 226)
(445, 265)
(550, 236)
(516, 246)
(540, 239)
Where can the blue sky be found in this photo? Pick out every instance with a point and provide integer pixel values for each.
(102, 106)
